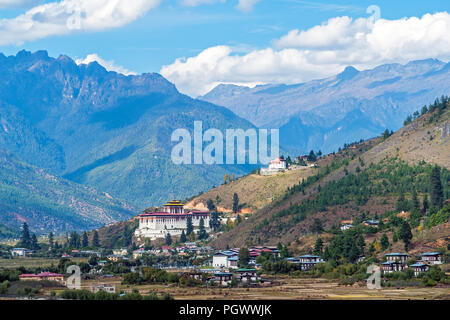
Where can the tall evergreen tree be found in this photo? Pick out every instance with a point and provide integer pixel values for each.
(126, 236)
(384, 242)
(318, 247)
(436, 194)
(25, 238)
(214, 222)
(183, 237)
(243, 257)
(84, 240)
(210, 205)
(95, 240)
(361, 244)
(317, 226)
(312, 156)
(168, 239)
(235, 203)
(34, 243)
(415, 200)
(425, 204)
(201, 231)
(51, 239)
(189, 226)
(405, 234)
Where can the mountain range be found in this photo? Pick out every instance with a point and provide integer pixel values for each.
(104, 129)
(324, 114)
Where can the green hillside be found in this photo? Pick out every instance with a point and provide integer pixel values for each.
(367, 185)
(50, 203)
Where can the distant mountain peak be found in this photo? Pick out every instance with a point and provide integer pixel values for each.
(348, 73)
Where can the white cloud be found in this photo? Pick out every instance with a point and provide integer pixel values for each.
(108, 64)
(17, 3)
(246, 5)
(318, 52)
(243, 5)
(64, 17)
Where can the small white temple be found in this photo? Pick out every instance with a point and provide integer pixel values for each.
(171, 219)
(276, 165)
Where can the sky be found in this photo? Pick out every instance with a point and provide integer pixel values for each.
(198, 44)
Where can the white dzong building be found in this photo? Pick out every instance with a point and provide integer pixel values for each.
(276, 165)
(171, 219)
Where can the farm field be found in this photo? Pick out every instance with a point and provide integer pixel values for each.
(285, 289)
(34, 262)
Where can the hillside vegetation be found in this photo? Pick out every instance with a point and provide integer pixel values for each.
(257, 191)
(50, 203)
(368, 184)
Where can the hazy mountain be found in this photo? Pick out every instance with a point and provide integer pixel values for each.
(324, 114)
(105, 129)
(50, 203)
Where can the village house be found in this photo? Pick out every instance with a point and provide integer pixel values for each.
(104, 287)
(225, 259)
(431, 257)
(392, 266)
(371, 223)
(223, 278)
(246, 275)
(419, 268)
(306, 262)
(48, 276)
(172, 219)
(20, 252)
(139, 253)
(397, 257)
(120, 252)
(308, 258)
(346, 227)
(115, 258)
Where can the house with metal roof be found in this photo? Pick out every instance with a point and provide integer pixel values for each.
(431, 257)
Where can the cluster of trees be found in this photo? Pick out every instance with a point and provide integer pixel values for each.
(103, 295)
(27, 239)
(386, 178)
(439, 104)
(158, 276)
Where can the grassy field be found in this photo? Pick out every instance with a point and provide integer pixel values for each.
(34, 262)
(254, 191)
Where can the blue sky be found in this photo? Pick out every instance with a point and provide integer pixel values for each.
(173, 29)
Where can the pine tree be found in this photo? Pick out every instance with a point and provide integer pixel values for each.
(361, 244)
(384, 242)
(34, 243)
(183, 237)
(51, 239)
(415, 200)
(25, 238)
(402, 203)
(235, 203)
(210, 205)
(425, 204)
(189, 226)
(405, 234)
(312, 156)
(318, 247)
(317, 226)
(95, 240)
(202, 232)
(436, 193)
(243, 257)
(126, 236)
(168, 239)
(84, 240)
